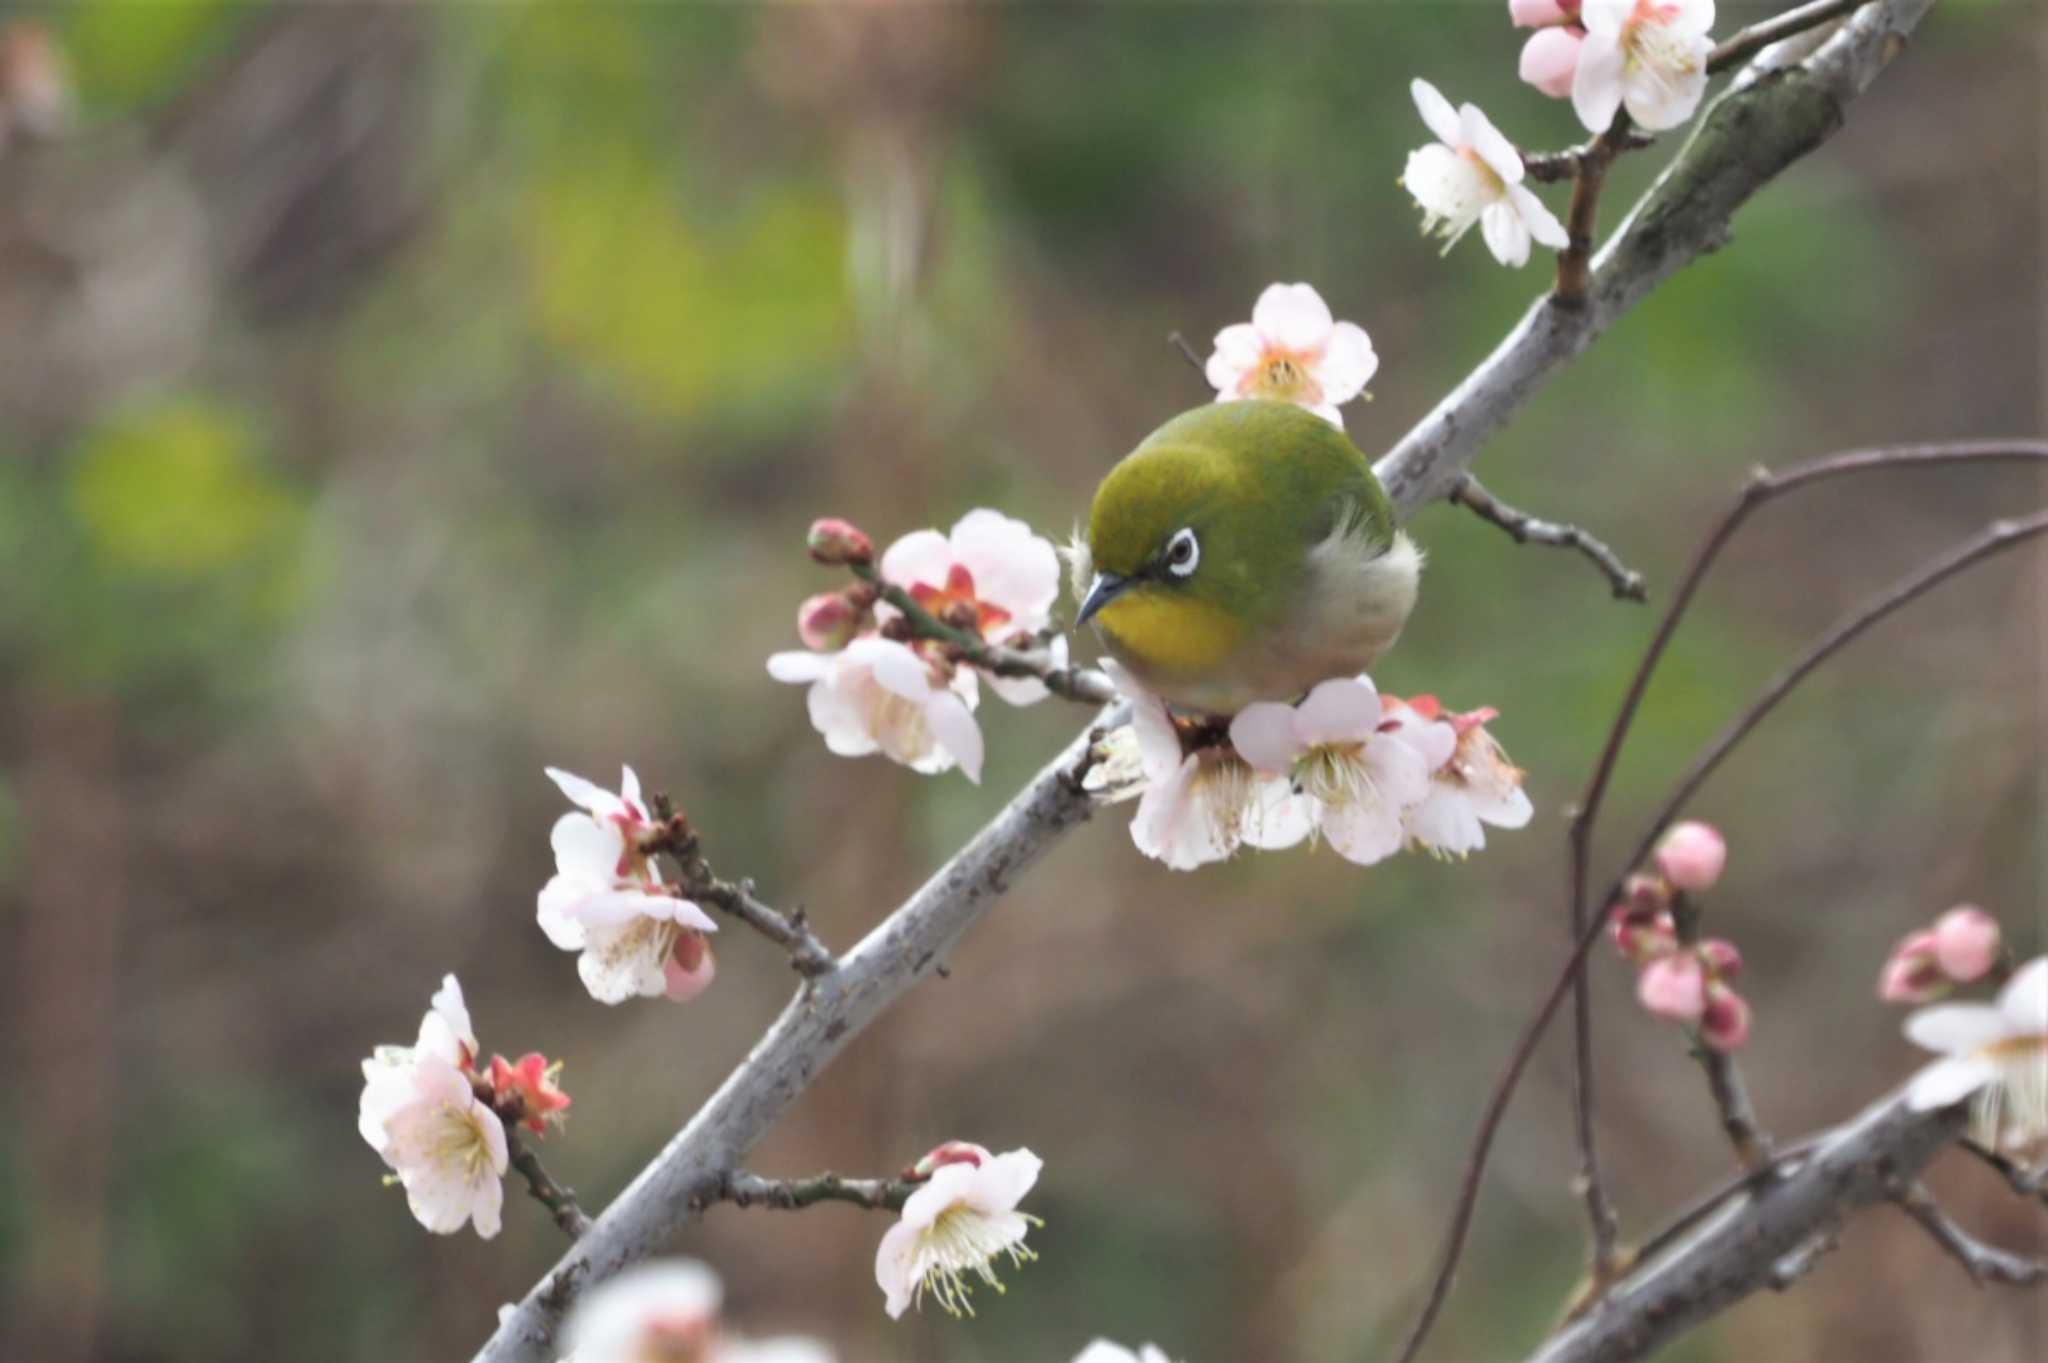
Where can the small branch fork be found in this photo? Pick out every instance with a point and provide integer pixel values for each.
(1764, 486)
(1984, 1263)
(1627, 584)
(808, 956)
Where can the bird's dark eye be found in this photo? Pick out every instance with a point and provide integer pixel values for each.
(1183, 552)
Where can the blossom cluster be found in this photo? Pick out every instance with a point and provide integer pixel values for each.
(1367, 773)
(635, 934)
(439, 1121)
(874, 687)
(1960, 947)
(1685, 981)
(668, 1312)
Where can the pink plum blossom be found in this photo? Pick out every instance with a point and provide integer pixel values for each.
(1649, 56)
(878, 695)
(1472, 783)
(955, 1227)
(529, 1088)
(1692, 856)
(1472, 174)
(1674, 987)
(1996, 1051)
(1293, 350)
(608, 901)
(1550, 59)
(420, 1111)
(1360, 782)
(1966, 943)
(991, 576)
(1539, 13)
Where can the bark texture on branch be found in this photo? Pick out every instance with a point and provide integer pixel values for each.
(1759, 1239)
(1770, 120)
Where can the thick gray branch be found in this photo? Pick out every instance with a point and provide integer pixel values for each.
(1770, 118)
(1751, 135)
(1757, 1240)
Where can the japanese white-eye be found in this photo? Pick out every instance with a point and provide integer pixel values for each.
(1244, 551)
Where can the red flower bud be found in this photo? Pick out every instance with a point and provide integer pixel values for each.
(839, 543)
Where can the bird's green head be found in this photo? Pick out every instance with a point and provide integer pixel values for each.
(1197, 540)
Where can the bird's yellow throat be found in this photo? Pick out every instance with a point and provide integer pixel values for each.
(1168, 632)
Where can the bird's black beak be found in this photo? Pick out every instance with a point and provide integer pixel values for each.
(1106, 588)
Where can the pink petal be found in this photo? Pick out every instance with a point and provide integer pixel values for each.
(1348, 363)
(1237, 352)
(1341, 710)
(1263, 734)
(920, 556)
(1550, 59)
(682, 985)
(1535, 13)
(1673, 987)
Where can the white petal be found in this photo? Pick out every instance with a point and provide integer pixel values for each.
(691, 915)
(586, 849)
(954, 727)
(1956, 1027)
(1013, 568)
(1294, 315)
(1019, 691)
(1278, 818)
(898, 669)
(448, 1004)
(1173, 823)
(1363, 832)
(1348, 363)
(587, 794)
(920, 556)
(798, 665)
(1341, 710)
(1505, 235)
(893, 1260)
(2024, 1000)
(1493, 147)
(1605, 16)
(1659, 100)
(949, 1184)
(1237, 352)
(1541, 223)
(1433, 739)
(1397, 770)
(1436, 112)
(839, 714)
(1694, 16)
(1002, 1181)
(1596, 85)
(1510, 809)
(1263, 734)
(1949, 1081)
(1446, 822)
(556, 911)
(626, 962)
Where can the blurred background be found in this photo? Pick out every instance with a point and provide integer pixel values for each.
(394, 399)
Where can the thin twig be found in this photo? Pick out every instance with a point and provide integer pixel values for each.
(560, 1201)
(1747, 41)
(2024, 1181)
(1187, 352)
(1724, 1075)
(1984, 1263)
(1761, 488)
(1551, 167)
(672, 834)
(793, 1194)
(1083, 684)
(1626, 583)
(1575, 262)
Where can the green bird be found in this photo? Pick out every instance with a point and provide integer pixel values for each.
(1244, 551)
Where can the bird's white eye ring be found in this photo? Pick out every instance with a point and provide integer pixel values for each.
(1183, 552)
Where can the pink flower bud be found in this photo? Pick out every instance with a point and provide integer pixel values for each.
(1724, 962)
(1692, 856)
(690, 967)
(1550, 59)
(1643, 939)
(952, 1152)
(827, 622)
(1643, 897)
(839, 543)
(1674, 987)
(1537, 13)
(1725, 1023)
(1966, 943)
(1912, 974)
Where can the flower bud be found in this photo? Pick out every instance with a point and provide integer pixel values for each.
(1724, 962)
(840, 543)
(1674, 987)
(1724, 1024)
(827, 622)
(952, 1152)
(1966, 943)
(1550, 60)
(1642, 939)
(690, 967)
(1912, 973)
(1643, 897)
(1692, 855)
(1537, 13)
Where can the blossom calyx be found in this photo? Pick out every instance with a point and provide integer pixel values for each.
(526, 1092)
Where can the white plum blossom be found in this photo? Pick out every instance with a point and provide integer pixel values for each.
(654, 1311)
(1293, 350)
(1649, 56)
(1472, 174)
(1359, 779)
(1198, 806)
(991, 576)
(1471, 781)
(1997, 1051)
(1102, 1351)
(957, 1224)
(421, 1113)
(636, 935)
(878, 695)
